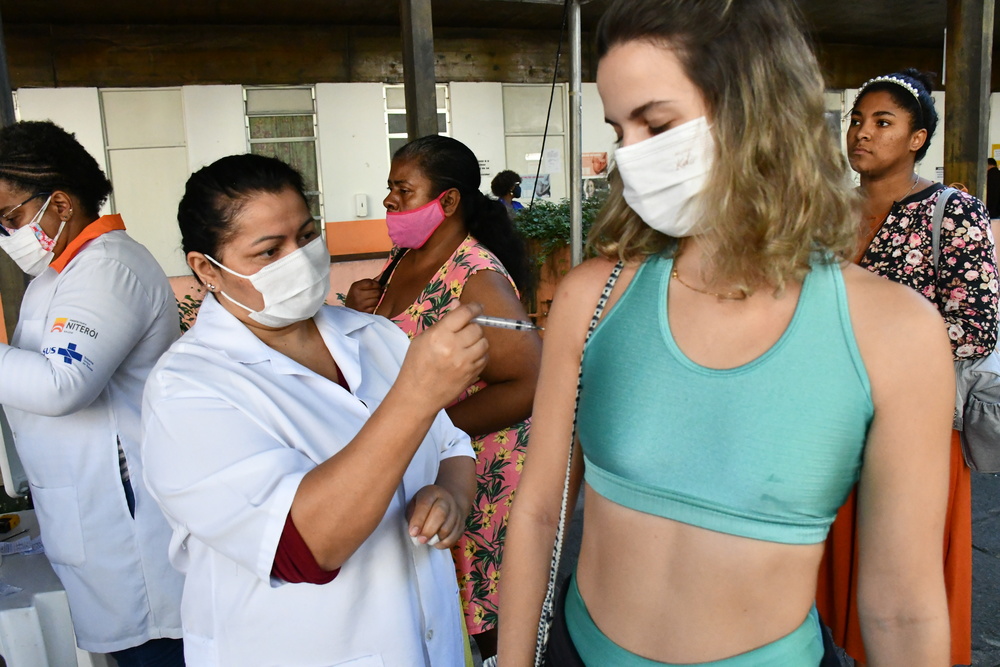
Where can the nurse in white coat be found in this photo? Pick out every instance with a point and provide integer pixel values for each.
(96, 316)
(300, 451)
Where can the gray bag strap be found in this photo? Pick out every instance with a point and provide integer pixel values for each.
(936, 219)
(545, 620)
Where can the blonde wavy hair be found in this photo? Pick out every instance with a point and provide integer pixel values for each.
(779, 187)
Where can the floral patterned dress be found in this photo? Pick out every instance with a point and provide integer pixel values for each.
(499, 455)
(964, 288)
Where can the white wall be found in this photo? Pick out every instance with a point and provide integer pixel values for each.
(477, 121)
(214, 122)
(354, 151)
(77, 110)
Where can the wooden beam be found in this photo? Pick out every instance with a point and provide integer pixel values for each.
(967, 113)
(137, 55)
(418, 68)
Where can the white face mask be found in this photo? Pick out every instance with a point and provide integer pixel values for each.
(294, 287)
(661, 175)
(27, 245)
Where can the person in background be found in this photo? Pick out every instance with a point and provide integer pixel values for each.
(892, 122)
(740, 380)
(506, 187)
(993, 190)
(299, 451)
(454, 245)
(96, 316)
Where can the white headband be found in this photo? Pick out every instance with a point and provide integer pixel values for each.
(895, 80)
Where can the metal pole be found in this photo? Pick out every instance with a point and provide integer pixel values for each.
(575, 135)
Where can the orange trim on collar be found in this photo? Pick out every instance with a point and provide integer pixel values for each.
(103, 225)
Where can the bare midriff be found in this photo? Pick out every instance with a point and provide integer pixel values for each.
(673, 592)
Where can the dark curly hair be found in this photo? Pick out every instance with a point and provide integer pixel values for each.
(504, 183)
(448, 163)
(215, 195)
(923, 114)
(40, 156)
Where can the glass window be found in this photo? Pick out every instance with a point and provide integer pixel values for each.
(281, 123)
(395, 115)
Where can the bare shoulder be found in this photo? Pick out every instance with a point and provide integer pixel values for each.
(578, 293)
(881, 302)
(894, 325)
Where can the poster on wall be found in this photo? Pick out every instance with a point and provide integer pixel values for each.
(528, 187)
(996, 152)
(595, 164)
(595, 187)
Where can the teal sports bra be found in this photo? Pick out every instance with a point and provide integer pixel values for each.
(768, 450)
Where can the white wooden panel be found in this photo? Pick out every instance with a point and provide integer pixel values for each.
(353, 150)
(214, 120)
(143, 118)
(149, 183)
(76, 110)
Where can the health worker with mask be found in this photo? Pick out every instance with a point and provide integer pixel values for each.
(96, 316)
(300, 451)
(738, 382)
(455, 245)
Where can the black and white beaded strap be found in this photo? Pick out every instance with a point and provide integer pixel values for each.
(545, 621)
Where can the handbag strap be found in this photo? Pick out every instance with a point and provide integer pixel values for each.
(936, 219)
(545, 621)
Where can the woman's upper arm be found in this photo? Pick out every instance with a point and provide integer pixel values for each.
(95, 318)
(904, 479)
(555, 399)
(967, 277)
(514, 355)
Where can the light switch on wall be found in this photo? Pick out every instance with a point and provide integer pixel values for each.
(361, 206)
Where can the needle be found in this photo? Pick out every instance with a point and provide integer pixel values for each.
(504, 323)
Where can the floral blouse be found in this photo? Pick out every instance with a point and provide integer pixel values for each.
(964, 284)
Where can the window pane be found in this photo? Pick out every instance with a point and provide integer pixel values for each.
(442, 123)
(274, 127)
(395, 98)
(313, 205)
(300, 155)
(441, 97)
(396, 144)
(524, 109)
(397, 123)
(262, 101)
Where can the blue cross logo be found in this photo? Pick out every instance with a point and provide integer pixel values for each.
(69, 353)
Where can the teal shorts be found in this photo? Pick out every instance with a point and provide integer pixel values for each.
(802, 647)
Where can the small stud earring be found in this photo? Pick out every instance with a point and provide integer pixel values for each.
(210, 286)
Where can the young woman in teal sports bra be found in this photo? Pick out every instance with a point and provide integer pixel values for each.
(741, 380)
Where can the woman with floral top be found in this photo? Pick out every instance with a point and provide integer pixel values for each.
(453, 245)
(892, 122)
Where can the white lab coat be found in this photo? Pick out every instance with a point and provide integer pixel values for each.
(230, 427)
(71, 385)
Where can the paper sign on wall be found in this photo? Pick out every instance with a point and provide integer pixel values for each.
(552, 161)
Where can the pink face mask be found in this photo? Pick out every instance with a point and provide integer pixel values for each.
(411, 229)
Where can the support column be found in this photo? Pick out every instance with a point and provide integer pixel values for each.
(418, 68)
(968, 63)
(12, 280)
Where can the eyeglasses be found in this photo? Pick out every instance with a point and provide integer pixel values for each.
(5, 218)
